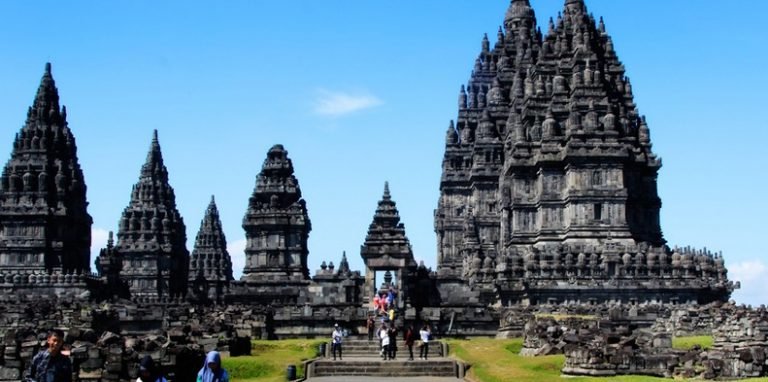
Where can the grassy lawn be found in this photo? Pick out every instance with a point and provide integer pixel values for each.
(498, 361)
(686, 343)
(491, 360)
(270, 359)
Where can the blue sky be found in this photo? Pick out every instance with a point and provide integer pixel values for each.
(361, 92)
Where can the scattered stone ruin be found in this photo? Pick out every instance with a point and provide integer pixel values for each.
(638, 341)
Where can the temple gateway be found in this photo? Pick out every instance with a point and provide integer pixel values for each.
(548, 200)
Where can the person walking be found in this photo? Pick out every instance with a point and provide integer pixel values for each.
(212, 370)
(425, 335)
(336, 339)
(384, 336)
(410, 338)
(49, 365)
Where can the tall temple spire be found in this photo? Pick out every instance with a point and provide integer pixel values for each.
(152, 236)
(572, 137)
(44, 183)
(276, 211)
(210, 266)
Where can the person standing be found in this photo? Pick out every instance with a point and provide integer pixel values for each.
(410, 338)
(212, 370)
(370, 325)
(384, 336)
(336, 338)
(148, 372)
(392, 333)
(425, 334)
(49, 365)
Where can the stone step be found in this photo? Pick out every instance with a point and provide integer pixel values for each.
(395, 368)
(364, 348)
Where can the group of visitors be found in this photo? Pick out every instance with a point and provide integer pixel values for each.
(52, 364)
(386, 334)
(384, 302)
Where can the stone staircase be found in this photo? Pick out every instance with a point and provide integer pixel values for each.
(362, 358)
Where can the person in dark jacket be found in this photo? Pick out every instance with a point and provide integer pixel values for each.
(148, 372)
(410, 338)
(49, 365)
(392, 333)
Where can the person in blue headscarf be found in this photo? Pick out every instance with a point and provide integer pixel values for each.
(212, 370)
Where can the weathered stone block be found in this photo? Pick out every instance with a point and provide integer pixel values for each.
(9, 373)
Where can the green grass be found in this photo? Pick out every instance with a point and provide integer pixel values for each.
(269, 360)
(491, 360)
(686, 343)
(494, 360)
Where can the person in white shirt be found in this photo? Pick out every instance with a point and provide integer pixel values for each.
(336, 339)
(425, 334)
(384, 336)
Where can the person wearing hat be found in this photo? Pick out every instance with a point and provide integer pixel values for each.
(148, 372)
(336, 339)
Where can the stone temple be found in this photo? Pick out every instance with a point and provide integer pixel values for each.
(548, 200)
(548, 192)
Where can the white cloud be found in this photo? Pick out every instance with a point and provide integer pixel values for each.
(99, 238)
(236, 251)
(753, 276)
(335, 103)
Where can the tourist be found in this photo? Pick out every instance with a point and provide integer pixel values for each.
(212, 370)
(384, 336)
(382, 303)
(336, 339)
(50, 365)
(425, 335)
(392, 334)
(410, 337)
(148, 372)
(370, 325)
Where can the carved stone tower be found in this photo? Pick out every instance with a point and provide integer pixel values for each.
(210, 268)
(386, 248)
(474, 151)
(277, 229)
(44, 222)
(152, 236)
(551, 172)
